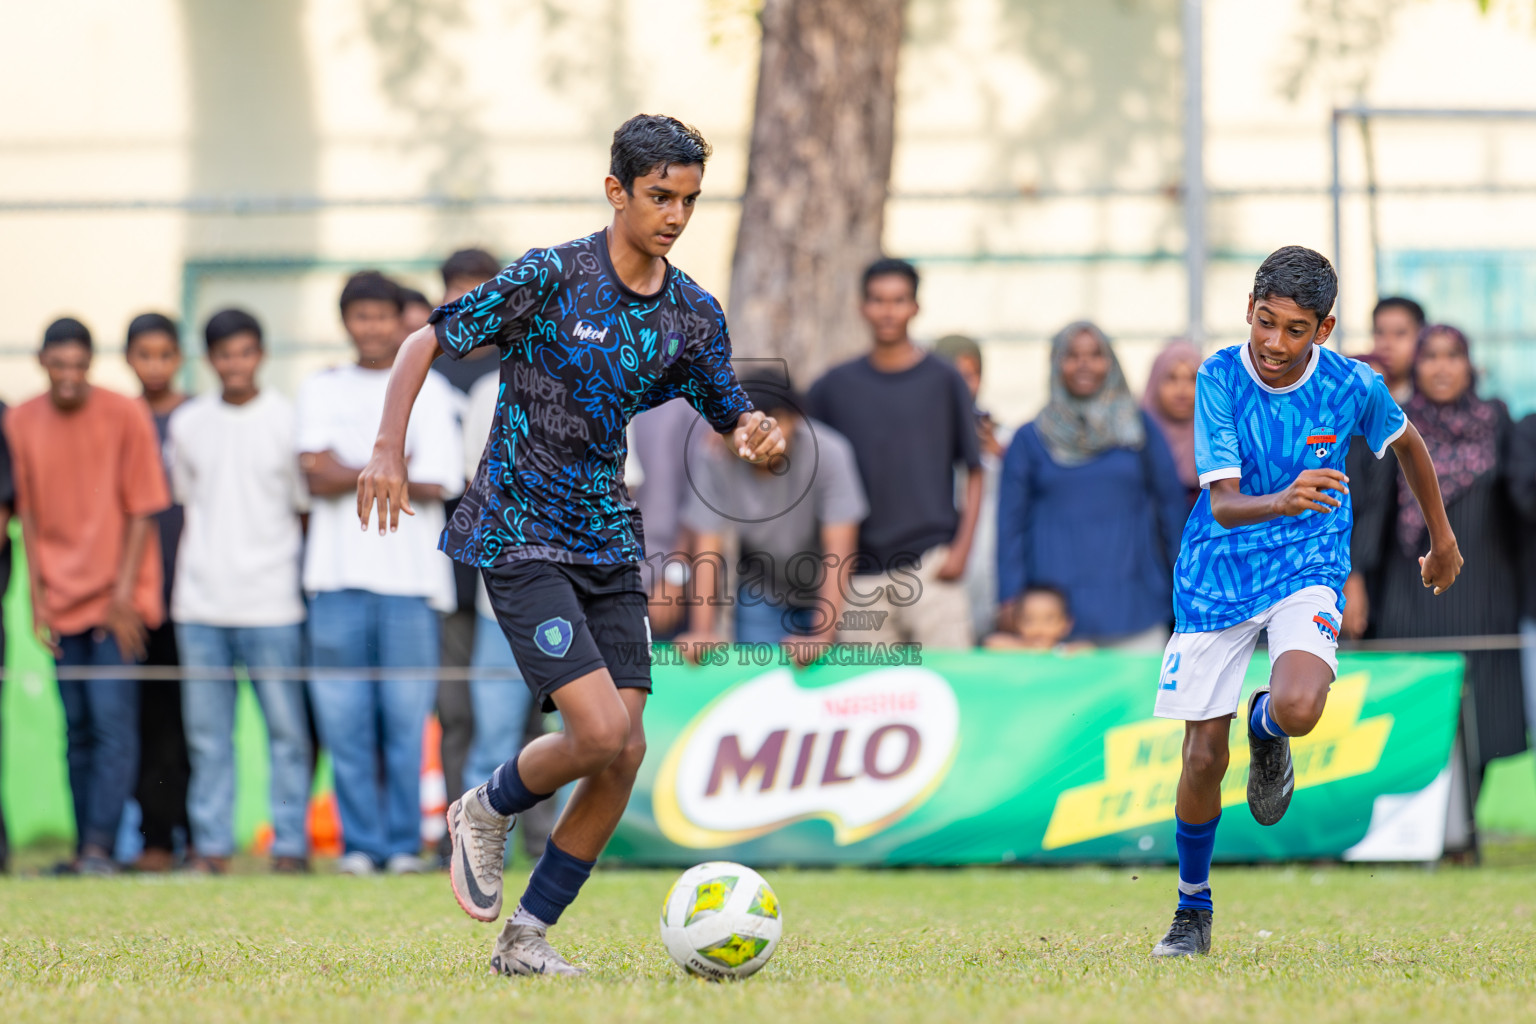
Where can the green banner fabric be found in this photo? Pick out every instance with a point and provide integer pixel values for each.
(34, 779)
(979, 757)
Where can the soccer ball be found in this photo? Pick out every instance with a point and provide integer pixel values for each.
(721, 920)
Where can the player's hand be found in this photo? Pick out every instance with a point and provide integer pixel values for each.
(127, 628)
(757, 437)
(1309, 493)
(1441, 566)
(383, 484)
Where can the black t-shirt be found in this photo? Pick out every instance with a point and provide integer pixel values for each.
(170, 520)
(581, 355)
(462, 373)
(909, 430)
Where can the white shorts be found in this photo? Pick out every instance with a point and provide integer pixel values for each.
(1203, 673)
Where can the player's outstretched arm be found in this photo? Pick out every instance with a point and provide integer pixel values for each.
(1442, 565)
(1307, 493)
(383, 482)
(756, 439)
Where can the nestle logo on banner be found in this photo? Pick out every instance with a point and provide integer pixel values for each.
(861, 755)
(584, 331)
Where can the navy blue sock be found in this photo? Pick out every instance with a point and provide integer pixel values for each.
(1262, 722)
(1195, 843)
(555, 881)
(506, 793)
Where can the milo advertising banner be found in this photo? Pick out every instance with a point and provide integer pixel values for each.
(974, 757)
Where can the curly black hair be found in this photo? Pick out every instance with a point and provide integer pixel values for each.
(649, 142)
(1300, 274)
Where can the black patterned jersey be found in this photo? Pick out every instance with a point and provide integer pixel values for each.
(581, 355)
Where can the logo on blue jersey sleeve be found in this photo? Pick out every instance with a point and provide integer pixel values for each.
(553, 637)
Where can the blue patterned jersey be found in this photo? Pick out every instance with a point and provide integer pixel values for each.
(1264, 437)
(581, 355)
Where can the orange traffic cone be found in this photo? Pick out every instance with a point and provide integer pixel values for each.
(324, 825)
(434, 790)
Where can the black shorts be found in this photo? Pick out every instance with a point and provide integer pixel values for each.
(564, 621)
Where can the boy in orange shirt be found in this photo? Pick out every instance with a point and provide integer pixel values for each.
(88, 482)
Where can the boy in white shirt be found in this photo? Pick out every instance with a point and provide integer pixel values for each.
(375, 598)
(232, 469)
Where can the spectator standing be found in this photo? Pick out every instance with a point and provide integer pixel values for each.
(504, 716)
(462, 271)
(1395, 326)
(7, 503)
(911, 420)
(499, 697)
(374, 599)
(1091, 502)
(796, 520)
(659, 443)
(1522, 489)
(1169, 401)
(964, 354)
(153, 352)
(1469, 440)
(88, 484)
(236, 601)
(414, 310)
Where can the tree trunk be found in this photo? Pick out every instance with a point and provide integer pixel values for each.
(818, 172)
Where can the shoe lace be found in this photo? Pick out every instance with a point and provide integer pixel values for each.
(490, 843)
(536, 943)
(1186, 922)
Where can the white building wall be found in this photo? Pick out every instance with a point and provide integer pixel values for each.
(1036, 169)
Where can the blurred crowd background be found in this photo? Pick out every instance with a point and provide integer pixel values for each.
(218, 533)
(198, 183)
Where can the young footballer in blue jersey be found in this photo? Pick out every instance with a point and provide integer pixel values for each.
(590, 334)
(1267, 547)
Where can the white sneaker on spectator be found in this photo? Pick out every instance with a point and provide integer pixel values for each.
(356, 863)
(406, 864)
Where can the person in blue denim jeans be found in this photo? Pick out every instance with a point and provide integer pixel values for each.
(88, 480)
(500, 697)
(375, 597)
(238, 604)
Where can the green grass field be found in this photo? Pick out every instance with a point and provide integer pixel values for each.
(1323, 944)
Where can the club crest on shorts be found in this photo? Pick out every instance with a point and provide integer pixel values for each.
(553, 637)
(1328, 625)
(1321, 442)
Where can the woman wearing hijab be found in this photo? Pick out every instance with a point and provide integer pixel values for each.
(1170, 401)
(1090, 502)
(1468, 437)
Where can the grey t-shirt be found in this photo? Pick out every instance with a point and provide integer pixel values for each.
(660, 439)
(776, 514)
